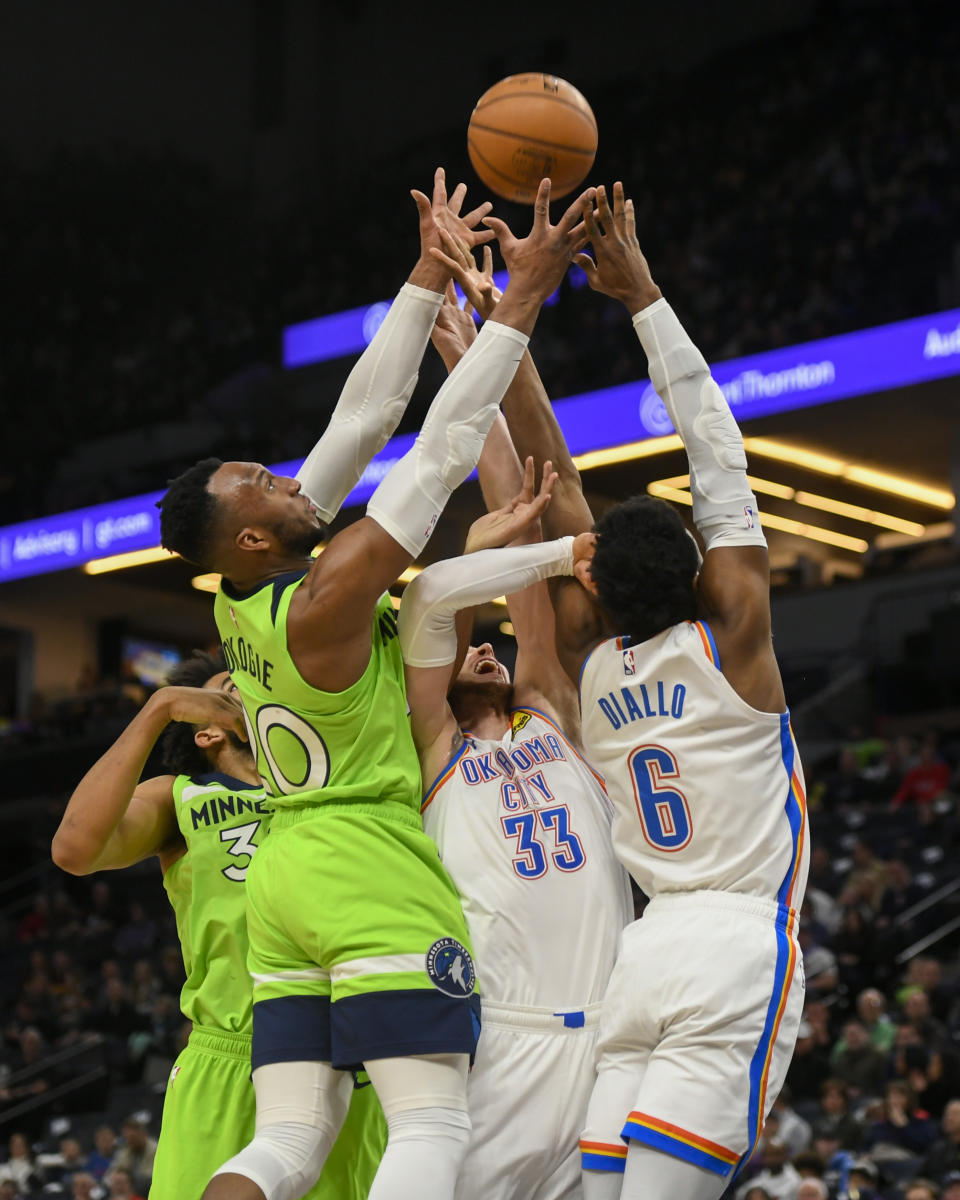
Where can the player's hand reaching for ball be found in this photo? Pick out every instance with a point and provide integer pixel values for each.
(503, 525)
(619, 268)
(538, 262)
(442, 212)
(481, 293)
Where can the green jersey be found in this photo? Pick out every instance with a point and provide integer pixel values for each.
(223, 821)
(316, 747)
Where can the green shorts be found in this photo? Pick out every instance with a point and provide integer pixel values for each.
(209, 1113)
(358, 946)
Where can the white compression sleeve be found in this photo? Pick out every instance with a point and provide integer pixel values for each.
(724, 507)
(410, 499)
(372, 402)
(427, 623)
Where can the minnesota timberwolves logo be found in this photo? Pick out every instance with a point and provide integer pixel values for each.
(450, 968)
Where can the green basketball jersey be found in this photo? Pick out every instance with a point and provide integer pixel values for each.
(223, 821)
(316, 747)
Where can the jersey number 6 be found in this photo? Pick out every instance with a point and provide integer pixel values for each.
(664, 815)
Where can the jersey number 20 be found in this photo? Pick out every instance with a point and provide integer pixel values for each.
(662, 809)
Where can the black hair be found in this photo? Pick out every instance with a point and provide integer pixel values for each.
(644, 567)
(179, 753)
(188, 513)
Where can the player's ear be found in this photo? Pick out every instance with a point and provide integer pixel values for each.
(209, 737)
(251, 538)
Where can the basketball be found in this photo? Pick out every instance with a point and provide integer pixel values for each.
(529, 126)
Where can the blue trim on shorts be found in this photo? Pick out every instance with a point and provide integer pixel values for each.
(677, 1149)
(291, 1029)
(602, 1162)
(401, 1023)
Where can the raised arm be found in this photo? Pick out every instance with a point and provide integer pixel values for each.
(526, 405)
(112, 820)
(539, 678)
(329, 628)
(734, 585)
(382, 381)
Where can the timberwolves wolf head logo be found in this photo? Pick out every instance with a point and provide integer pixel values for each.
(450, 968)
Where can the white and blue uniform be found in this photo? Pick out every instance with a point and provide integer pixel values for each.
(523, 828)
(710, 820)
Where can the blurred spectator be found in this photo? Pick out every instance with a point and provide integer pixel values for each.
(863, 1179)
(951, 1186)
(904, 1129)
(121, 1185)
(794, 1131)
(921, 1189)
(809, 1065)
(812, 1189)
(944, 1155)
(819, 965)
(779, 1178)
(860, 1065)
(85, 1187)
(19, 1168)
(871, 1009)
(835, 1121)
(867, 878)
(137, 1152)
(104, 1148)
(924, 782)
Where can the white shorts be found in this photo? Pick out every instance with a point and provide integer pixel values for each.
(527, 1095)
(697, 1031)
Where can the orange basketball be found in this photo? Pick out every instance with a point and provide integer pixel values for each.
(529, 126)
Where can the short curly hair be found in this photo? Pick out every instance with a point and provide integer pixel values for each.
(188, 513)
(644, 567)
(179, 753)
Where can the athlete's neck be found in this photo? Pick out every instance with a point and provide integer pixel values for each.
(237, 763)
(245, 578)
(483, 708)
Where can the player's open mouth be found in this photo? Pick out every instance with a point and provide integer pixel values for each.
(487, 666)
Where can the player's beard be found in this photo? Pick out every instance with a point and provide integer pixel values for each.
(299, 539)
(468, 699)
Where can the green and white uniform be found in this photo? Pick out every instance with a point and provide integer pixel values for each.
(209, 1108)
(358, 946)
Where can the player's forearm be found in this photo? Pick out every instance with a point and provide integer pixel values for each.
(535, 431)
(373, 400)
(724, 507)
(101, 798)
(408, 502)
(427, 616)
(499, 469)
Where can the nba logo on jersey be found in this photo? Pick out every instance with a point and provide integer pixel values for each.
(748, 516)
(629, 663)
(233, 616)
(450, 968)
(174, 1073)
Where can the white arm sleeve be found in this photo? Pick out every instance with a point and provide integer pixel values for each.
(427, 623)
(411, 498)
(372, 402)
(724, 507)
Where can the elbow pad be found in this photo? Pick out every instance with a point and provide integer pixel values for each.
(408, 502)
(724, 508)
(373, 400)
(427, 622)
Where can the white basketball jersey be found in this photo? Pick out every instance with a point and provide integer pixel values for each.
(523, 828)
(708, 791)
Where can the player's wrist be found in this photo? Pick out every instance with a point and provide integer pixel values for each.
(429, 274)
(639, 298)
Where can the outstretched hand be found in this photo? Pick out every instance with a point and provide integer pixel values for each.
(443, 213)
(482, 294)
(503, 525)
(538, 262)
(620, 269)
